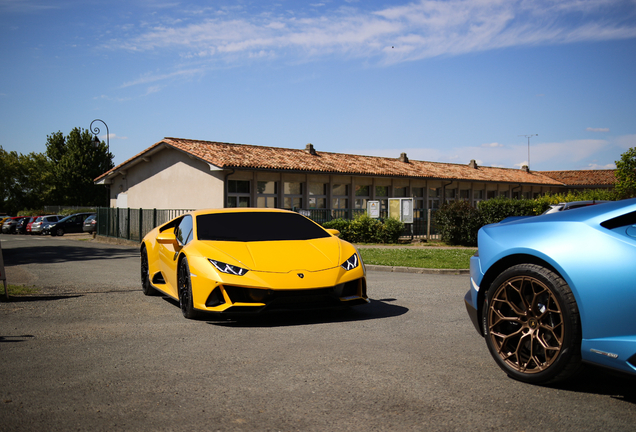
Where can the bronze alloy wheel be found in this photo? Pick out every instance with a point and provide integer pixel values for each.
(530, 321)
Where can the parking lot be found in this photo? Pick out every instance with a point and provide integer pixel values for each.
(91, 352)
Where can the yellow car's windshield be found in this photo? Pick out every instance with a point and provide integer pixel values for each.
(257, 226)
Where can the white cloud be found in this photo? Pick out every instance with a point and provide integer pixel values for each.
(626, 142)
(594, 166)
(149, 78)
(114, 137)
(597, 129)
(411, 31)
(492, 145)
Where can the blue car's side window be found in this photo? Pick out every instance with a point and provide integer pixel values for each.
(183, 231)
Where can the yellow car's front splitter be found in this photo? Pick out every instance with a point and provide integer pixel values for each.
(296, 290)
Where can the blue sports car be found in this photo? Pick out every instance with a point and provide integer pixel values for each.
(551, 292)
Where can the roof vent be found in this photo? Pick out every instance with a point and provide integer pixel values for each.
(526, 168)
(473, 164)
(309, 148)
(403, 158)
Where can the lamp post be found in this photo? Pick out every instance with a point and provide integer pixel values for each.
(95, 131)
(529, 136)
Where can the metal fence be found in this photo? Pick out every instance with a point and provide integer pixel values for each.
(134, 224)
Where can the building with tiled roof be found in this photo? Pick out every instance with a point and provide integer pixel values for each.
(180, 173)
(584, 179)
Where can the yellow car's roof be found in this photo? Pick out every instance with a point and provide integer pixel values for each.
(239, 210)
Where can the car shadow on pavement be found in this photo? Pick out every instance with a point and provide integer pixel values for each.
(600, 381)
(377, 309)
(14, 339)
(70, 252)
(34, 298)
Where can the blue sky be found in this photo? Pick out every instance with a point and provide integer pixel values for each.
(445, 81)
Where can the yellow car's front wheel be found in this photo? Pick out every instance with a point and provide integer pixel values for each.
(185, 291)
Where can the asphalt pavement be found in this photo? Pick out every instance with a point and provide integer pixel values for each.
(90, 352)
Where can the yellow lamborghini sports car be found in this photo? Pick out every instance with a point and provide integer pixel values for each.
(250, 260)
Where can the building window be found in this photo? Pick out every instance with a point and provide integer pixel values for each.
(399, 192)
(267, 194)
(464, 194)
(362, 196)
(238, 193)
(317, 195)
(450, 195)
(418, 198)
(340, 196)
(478, 196)
(293, 195)
(491, 194)
(382, 195)
(433, 198)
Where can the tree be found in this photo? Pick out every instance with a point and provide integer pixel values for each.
(25, 181)
(76, 161)
(626, 174)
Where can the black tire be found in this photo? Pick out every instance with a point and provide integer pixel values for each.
(59, 231)
(146, 287)
(185, 291)
(532, 326)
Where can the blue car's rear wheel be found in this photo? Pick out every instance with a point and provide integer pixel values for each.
(185, 291)
(532, 325)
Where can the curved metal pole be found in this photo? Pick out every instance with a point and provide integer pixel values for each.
(95, 131)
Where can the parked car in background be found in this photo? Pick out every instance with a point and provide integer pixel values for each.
(10, 225)
(22, 225)
(571, 205)
(30, 224)
(90, 224)
(70, 224)
(42, 221)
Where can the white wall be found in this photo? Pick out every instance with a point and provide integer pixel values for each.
(170, 180)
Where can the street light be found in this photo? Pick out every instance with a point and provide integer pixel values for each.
(95, 131)
(529, 136)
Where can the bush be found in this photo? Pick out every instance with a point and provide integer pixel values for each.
(391, 231)
(341, 225)
(497, 209)
(364, 229)
(458, 223)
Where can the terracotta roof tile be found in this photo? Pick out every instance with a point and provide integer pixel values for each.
(584, 177)
(242, 156)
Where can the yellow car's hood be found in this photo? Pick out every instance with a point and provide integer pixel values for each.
(277, 256)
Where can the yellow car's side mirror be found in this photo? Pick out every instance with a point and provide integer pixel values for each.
(333, 232)
(168, 238)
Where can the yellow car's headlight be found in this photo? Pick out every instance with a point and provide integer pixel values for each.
(227, 268)
(351, 263)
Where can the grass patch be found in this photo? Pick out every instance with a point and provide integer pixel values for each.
(19, 290)
(420, 258)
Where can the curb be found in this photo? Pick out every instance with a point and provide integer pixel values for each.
(369, 267)
(416, 270)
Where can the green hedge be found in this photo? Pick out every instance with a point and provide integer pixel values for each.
(458, 222)
(364, 229)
